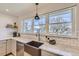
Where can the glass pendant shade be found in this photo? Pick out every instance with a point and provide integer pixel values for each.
(37, 17)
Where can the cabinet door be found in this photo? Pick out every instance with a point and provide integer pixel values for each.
(2, 47)
(19, 49)
(9, 41)
(13, 48)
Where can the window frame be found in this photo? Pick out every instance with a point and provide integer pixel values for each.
(72, 20)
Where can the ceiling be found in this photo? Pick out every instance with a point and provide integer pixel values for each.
(25, 9)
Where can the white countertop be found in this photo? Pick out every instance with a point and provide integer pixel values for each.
(58, 49)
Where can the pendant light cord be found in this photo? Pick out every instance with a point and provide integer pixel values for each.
(36, 8)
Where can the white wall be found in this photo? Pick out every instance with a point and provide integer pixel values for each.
(4, 20)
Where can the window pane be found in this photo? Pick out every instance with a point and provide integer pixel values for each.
(28, 25)
(52, 19)
(61, 22)
(42, 20)
(60, 17)
(53, 28)
(65, 29)
(36, 29)
(42, 23)
(64, 17)
(43, 28)
(36, 22)
(28, 21)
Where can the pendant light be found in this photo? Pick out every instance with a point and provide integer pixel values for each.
(36, 17)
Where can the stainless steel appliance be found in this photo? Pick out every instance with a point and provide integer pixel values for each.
(14, 34)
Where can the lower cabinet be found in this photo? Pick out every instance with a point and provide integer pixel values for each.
(11, 46)
(2, 47)
(19, 48)
(5, 47)
(8, 46)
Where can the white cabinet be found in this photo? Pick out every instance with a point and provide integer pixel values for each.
(5, 47)
(2, 47)
(46, 53)
(8, 44)
(13, 47)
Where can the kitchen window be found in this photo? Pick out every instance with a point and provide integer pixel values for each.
(27, 24)
(36, 25)
(61, 22)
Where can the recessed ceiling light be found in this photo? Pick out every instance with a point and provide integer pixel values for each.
(7, 9)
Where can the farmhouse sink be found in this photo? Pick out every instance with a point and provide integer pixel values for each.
(32, 48)
(35, 44)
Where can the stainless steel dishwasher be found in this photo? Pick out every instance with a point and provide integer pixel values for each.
(19, 49)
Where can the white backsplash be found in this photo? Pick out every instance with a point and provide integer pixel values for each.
(59, 40)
